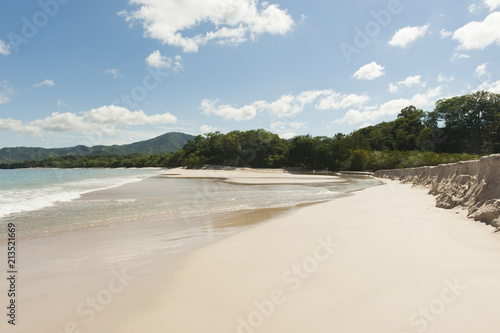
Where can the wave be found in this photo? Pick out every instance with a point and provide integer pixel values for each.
(42, 195)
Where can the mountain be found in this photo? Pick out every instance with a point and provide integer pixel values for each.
(166, 143)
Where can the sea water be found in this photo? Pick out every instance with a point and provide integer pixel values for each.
(43, 202)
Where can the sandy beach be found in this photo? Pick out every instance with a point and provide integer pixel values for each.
(383, 260)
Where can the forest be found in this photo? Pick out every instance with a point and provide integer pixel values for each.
(458, 129)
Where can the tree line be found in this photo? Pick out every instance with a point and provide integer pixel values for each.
(459, 128)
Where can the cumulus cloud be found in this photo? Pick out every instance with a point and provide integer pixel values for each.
(444, 78)
(61, 104)
(18, 126)
(6, 91)
(481, 70)
(409, 82)
(228, 112)
(45, 83)
(390, 108)
(492, 4)
(393, 88)
(229, 21)
(115, 72)
(459, 56)
(286, 129)
(479, 35)
(404, 37)
(445, 33)
(370, 71)
(4, 48)
(336, 101)
(105, 119)
(157, 60)
(287, 135)
(285, 106)
(204, 129)
(493, 87)
(472, 8)
(277, 125)
(297, 124)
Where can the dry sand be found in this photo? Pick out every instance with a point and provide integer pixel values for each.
(252, 176)
(384, 260)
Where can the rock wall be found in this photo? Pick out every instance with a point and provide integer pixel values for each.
(472, 184)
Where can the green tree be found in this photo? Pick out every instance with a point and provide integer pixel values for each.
(471, 122)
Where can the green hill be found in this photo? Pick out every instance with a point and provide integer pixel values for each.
(166, 143)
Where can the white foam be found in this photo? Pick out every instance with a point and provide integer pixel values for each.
(23, 200)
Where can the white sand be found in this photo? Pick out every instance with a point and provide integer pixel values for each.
(383, 260)
(398, 264)
(252, 176)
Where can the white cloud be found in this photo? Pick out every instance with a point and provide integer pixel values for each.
(60, 103)
(204, 129)
(445, 33)
(18, 126)
(479, 35)
(105, 119)
(370, 71)
(285, 106)
(390, 108)
(404, 37)
(156, 60)
(335, 101)
(277, 125)
(460, 56)
(285, 130)
(443, 78)
(481, 70)
(287, 135)
(492, 4)
(115, 72)
(297, 124)
(412, 81)
(47, 83)
(6, 91)
(231, 21)
(493, 87)
(409, 82)
(365, 125)
(228, 112)
(472, 8)
(393, 88)
(4, 48)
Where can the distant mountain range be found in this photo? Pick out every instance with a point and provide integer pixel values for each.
(166, 143)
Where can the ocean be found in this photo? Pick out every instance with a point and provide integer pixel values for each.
(44, 202)
(76, 229)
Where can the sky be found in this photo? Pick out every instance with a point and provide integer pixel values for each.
(115, 72)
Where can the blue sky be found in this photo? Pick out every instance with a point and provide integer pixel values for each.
(114, 72)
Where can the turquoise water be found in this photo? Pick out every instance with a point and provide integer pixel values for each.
(46, 201)
(25, 190)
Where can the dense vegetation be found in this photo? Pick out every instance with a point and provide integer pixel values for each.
(460, 128)
(163, 144)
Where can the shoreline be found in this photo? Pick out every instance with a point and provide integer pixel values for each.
(339, 266)
(71, 266)
(364, 262)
